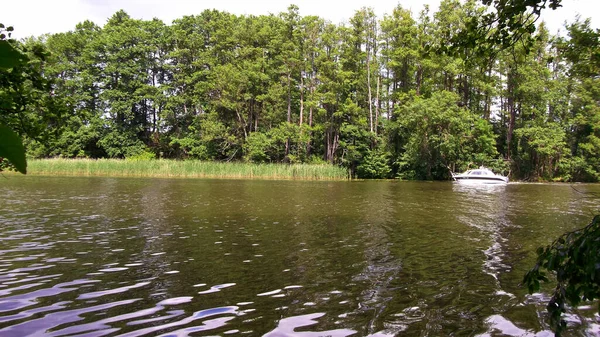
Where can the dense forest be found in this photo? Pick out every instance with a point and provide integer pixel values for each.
(387, 97)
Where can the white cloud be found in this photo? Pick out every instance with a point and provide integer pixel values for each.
(36, 17)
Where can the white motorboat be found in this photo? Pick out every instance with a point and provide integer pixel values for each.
(478, 176)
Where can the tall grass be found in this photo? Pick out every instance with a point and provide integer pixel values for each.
(182, 169)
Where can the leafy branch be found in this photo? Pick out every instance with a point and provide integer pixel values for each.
(575, 259)
(506, 23)
(11, 146)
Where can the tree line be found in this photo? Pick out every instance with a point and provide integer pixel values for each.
(391, 97)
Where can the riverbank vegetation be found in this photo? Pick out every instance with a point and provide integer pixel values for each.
(184, 169)
(387, 97)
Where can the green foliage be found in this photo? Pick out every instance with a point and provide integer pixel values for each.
(121, 145)
(374, 166)
(184, 169)
(257, 147)
(510, 22)
(191, 146)
(11, 148)
(439, 133)
(368, 95)
(575, 260)
(142, 156)
(10, 57)
(577, 169)
(540, 149)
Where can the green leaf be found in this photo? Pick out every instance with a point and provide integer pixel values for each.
(12, 149)
(9, 56)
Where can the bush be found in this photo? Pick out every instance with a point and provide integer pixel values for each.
(256, 147)
(374, 166)
(142, 156)
(192, 147)
(121, 144)
(577, 169)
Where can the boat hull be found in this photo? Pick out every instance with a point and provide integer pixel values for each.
(481, 181)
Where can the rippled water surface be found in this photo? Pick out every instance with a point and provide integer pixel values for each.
(147, 257)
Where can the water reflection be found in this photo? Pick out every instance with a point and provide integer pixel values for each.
(487, 212)
(381, 266)
(500, 325)
(138, 257)
(490, 215)
(287, 328)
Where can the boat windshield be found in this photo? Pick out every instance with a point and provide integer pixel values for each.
(480, 172)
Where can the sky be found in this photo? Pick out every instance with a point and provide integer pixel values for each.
(37, 17)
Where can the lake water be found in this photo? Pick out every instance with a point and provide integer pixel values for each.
(137, 257)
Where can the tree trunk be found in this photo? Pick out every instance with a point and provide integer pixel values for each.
(511, 123)
(466, 91)
(393, 100)
(333, 140)
(310, 120)
(250, 115)
(289, 112)
(256, 123)
(419, 79)
(369, 84)
(488, 103)
(154, 120)
(387, 92)
(242, 123)
(377, 105)
(301, 100)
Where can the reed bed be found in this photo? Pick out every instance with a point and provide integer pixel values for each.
(183, 169)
